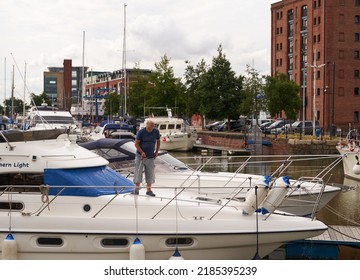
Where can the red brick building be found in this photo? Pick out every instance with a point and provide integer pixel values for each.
(321, 39)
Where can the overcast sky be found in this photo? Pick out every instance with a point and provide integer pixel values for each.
(42, 33)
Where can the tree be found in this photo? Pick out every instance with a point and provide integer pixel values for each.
(39, 99)
(18, 106)
(253, 97)
(138, 93)
(282, 96)
(112, 104)
(167, 90)
(193, 79)
(221, 90)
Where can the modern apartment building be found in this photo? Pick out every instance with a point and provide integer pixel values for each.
(317, 44)
(63, 85)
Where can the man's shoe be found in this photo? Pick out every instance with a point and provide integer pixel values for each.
(150, 193)
(136, 192)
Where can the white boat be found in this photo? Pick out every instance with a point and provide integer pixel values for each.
(61, 201)
(174, 135)
(169, 171)
(349, 149)
(119, 130)
(49, 117)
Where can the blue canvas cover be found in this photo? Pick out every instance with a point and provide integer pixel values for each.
(102, 176)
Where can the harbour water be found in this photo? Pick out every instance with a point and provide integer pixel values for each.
(343, 210)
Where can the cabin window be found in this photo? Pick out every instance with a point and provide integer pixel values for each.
(114, 242)
(22, 179)
(171, 126)
(50, 241)
(14, 206)
(179, 241)
(178, 126)
(162, 126)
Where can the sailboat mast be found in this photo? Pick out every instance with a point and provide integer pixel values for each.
(124, 61)
(12, 96)
(5, 88)
(82, 78)
(24, 113)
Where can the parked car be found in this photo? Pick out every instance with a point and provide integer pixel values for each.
(214, 126)
(275, 125)
(238, 125)
(265, 125)
(297, 127)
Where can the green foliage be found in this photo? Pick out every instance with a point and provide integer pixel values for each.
(138, 93)
(112, 104)
(39, 99)
(167, 90)
(18, 106)
(193, 79)
(220, 91)
(282, 95)
(253, 101)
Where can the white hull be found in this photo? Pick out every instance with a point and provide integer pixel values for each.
(180, 141)
(349, 161)
(228, 235)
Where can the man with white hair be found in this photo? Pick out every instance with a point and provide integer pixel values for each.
(147, 144)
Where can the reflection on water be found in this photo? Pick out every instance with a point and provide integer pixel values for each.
(344, 209)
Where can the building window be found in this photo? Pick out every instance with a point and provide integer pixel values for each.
(314, 39)
(357, 2)
(356, 74)
(314, 5)
(356, 116)
(318, 38)
(356, 91)
(356, 54)
(341, 54)
(318, 75)
(357, 19)
(357, 37)
(342, 18)
(341, 91)
(341, 74)
(318, 91)
(318, 56)
(341, 36)
(314, 21)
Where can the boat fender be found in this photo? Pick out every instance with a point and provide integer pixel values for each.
(176, 256)
(356, 169)
(137, 250)
(276, 195)
(252, 199)
(9, 248)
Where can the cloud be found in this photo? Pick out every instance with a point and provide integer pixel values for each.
(44, 33)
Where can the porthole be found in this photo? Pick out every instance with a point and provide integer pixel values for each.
(50, 241)
(179, 241)
(16, 206)
(114, 242)
(87, 207)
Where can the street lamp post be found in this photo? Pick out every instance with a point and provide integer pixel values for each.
(314, 67)
(332, 133)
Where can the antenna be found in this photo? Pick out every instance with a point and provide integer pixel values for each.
(124, 60)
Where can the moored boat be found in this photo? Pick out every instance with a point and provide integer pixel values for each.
(63, 202)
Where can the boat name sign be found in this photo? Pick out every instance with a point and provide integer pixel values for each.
(15, 164)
